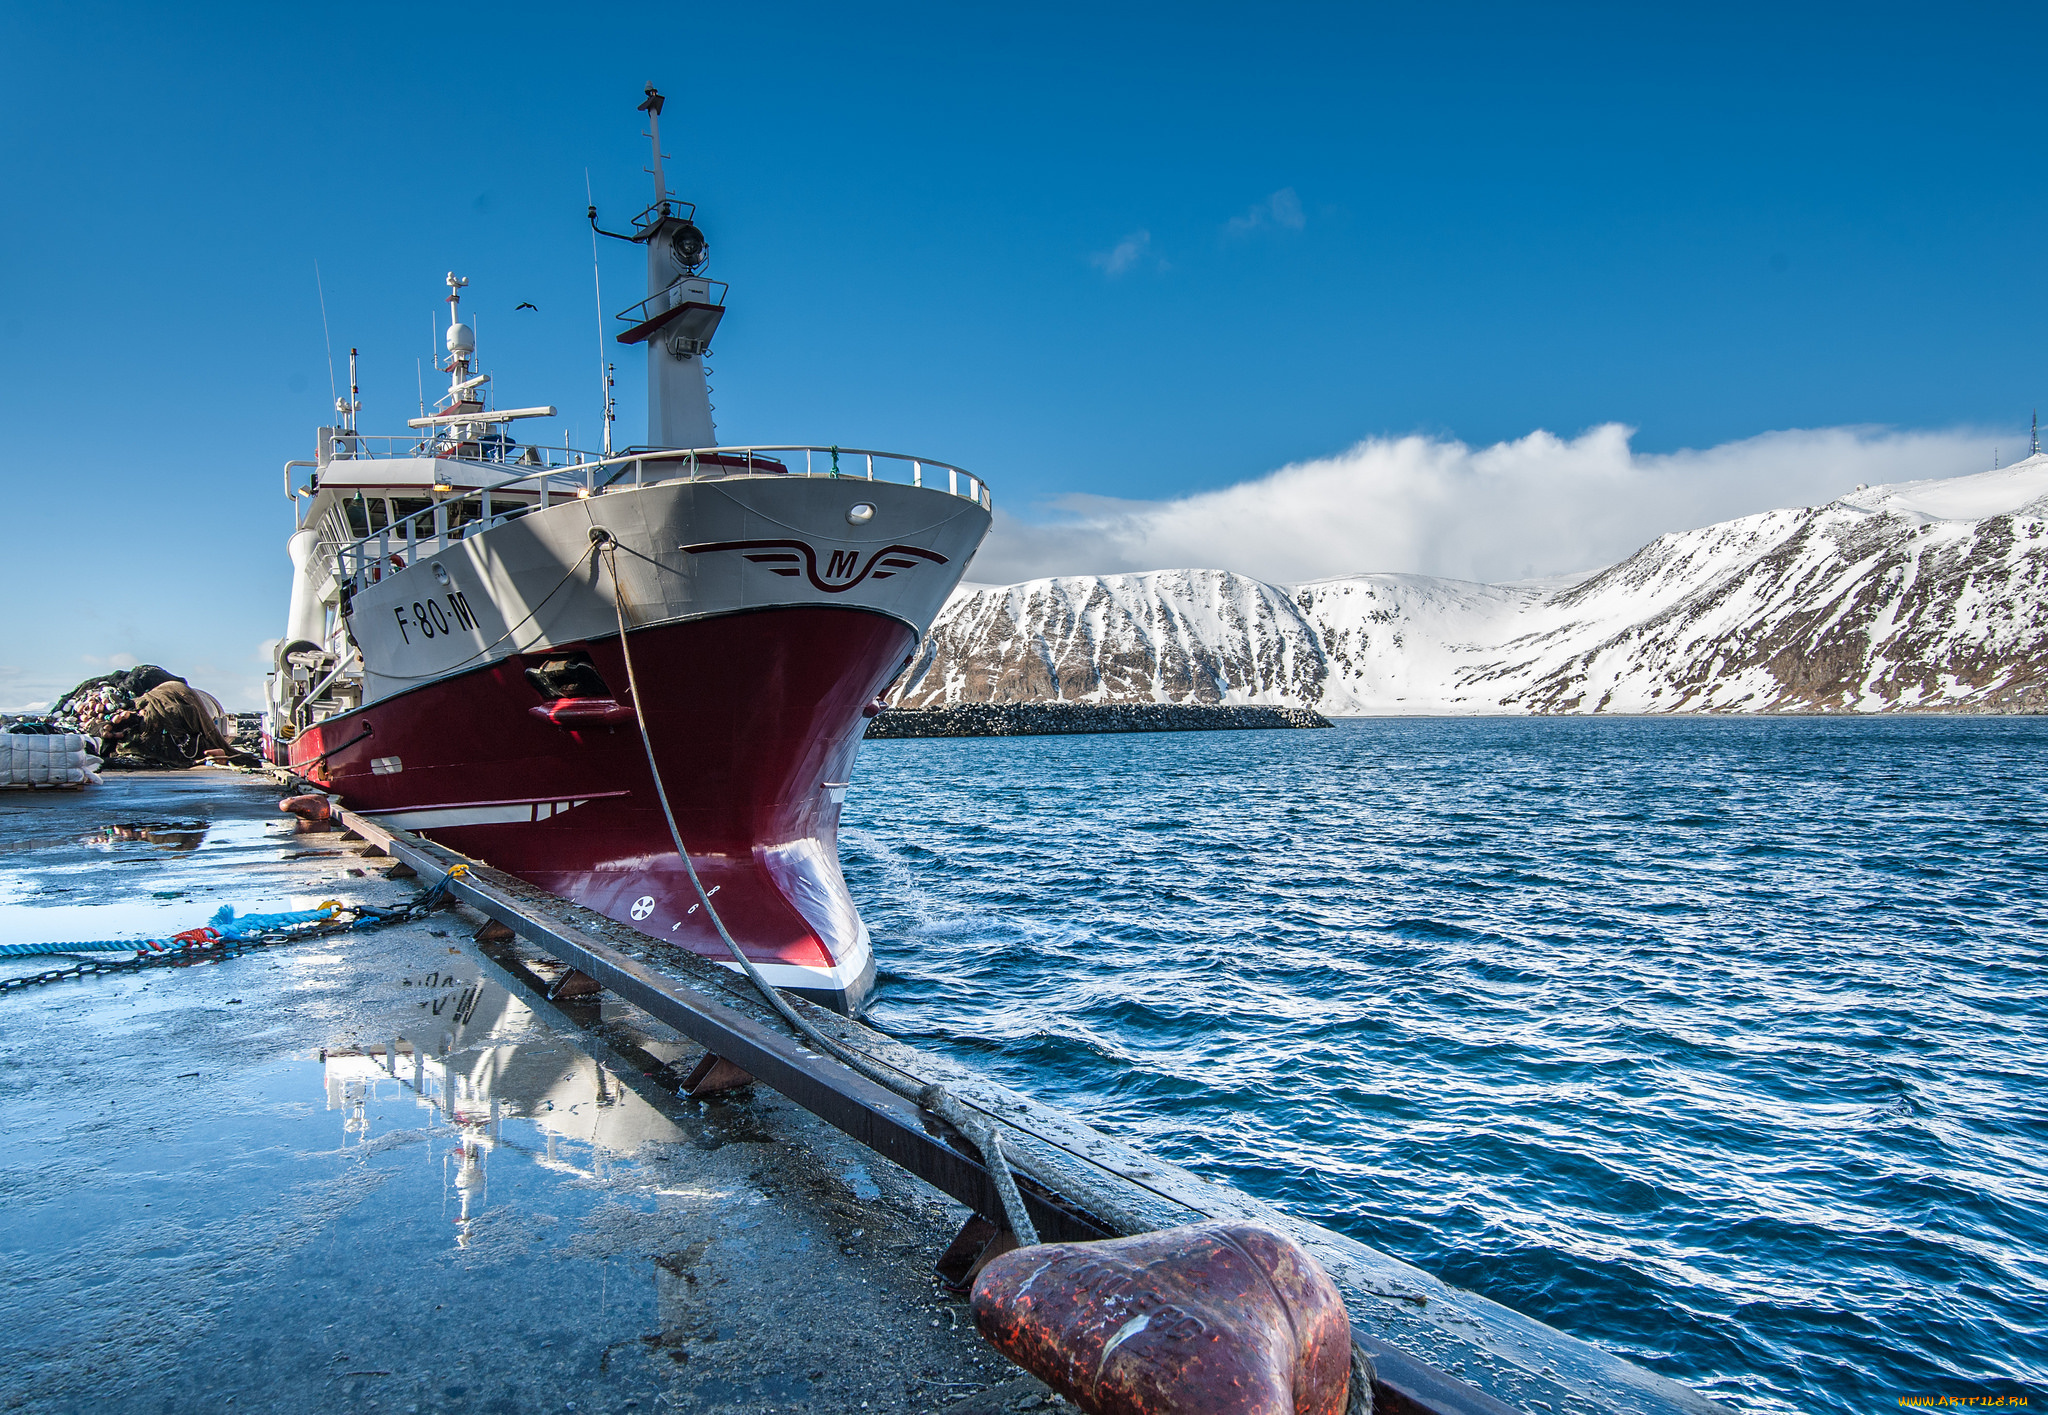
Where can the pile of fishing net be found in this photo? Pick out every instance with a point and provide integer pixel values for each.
(91, 707)
(143, 717)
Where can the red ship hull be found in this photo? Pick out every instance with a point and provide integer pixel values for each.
(755, 719)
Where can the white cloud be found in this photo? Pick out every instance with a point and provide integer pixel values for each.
(1128, 252)
(18, 691)
(117, 661)
(1282, 209)
(1539, 505)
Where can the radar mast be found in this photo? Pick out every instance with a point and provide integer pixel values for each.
(682, 309)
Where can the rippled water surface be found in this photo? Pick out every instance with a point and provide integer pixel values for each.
(1717, 1042)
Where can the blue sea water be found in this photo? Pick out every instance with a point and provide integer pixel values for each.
(1715, 1041)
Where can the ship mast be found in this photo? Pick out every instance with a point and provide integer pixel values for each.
(465, 389)
(681, 311)
(460, 411)
(652, 106)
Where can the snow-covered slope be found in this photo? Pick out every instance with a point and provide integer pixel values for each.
(1203, 636)
(1917, 595)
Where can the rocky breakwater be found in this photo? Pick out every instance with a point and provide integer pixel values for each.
(1052, 719)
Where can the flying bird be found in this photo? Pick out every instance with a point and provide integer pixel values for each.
(525, 305)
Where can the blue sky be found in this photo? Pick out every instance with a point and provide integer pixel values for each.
(1135, 252)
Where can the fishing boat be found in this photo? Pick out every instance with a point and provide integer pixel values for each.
(569, 663)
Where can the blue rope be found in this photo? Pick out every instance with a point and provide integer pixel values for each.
(228, 926)
(105, 945)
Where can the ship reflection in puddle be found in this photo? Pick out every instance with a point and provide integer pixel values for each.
(475, 1057)
(174, 837)
(169, 835)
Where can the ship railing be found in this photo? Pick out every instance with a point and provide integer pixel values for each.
(653, 466)
(454, 514)
(459, 514)
(662, 301)
(493, 450)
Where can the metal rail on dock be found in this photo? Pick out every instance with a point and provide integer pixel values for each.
(1523, 1360)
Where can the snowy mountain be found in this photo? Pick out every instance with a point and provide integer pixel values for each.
(1924, 595)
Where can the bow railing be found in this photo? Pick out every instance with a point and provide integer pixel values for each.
(486, 501)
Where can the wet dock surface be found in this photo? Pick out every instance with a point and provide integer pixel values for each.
(363, 1173)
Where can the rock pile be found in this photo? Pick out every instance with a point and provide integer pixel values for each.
(1052, 719)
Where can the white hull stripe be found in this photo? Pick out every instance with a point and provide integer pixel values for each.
(479, 813)
(796, 975)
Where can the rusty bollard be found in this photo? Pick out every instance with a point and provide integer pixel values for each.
(1211, 1319)
(314, 811)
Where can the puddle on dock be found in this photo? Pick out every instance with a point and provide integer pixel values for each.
(168, 835)
(365, 1174)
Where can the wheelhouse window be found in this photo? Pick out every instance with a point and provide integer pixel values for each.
(366, 515)
(416, 512)
(464, 513)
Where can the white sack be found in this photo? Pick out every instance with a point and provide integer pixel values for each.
(64, 759)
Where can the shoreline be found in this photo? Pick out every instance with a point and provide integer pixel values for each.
(1061, 719)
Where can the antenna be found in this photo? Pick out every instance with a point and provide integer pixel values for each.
(604, 378)
(354, 404)
(651, 106)
(317, 285)
(2037, 432)
(420, 372)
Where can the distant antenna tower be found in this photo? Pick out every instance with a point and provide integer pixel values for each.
(2037, 432)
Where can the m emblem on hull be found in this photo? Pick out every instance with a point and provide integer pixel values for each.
(843, 570)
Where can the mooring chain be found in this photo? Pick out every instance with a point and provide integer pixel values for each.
(203, 954)
(83, 970)
(367, 917)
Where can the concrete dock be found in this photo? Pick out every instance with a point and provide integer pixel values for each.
(221, 1191)
(383, 1171)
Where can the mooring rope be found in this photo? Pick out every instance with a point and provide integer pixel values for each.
(934, 1098)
